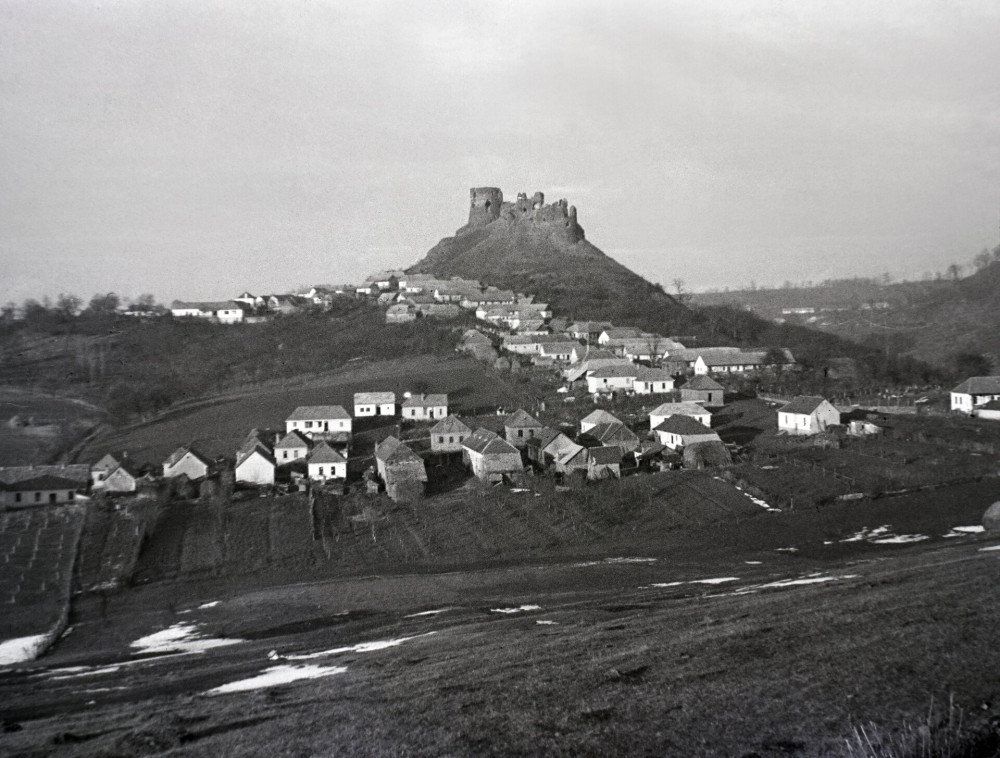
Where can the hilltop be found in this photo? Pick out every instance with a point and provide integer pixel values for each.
(530, 246)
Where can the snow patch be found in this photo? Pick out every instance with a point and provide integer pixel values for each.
(180, 638)
(277, 675)
(519, 609)
(716, 580)
(753, 563)
(962, 531)
(900, 539)
(361, 647)
(803, 580)
(427, 613)
(757, 501)
(667, 584)
(989, 549)
(21, 649)
(546, 622)
(786, 550)
(612, 561)
(211, 604)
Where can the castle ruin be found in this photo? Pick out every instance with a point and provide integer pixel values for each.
(486, 206)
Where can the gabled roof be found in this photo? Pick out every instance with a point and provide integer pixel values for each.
(803, 404)
(374, 398)
(620, 371)
(683, 425)
(544, 436)
(647, 374)
(623, 331)
(213, 305)
(293, 440)
(600, 416)
(521, 419)
(313, 412)
(734, 358)
(75, 475)
(402, 453)
(603, 456)
(385, 448)
(184, 450)
(681, 409)
(474, 335)
(248, 453)
(589, 326)
(614, 431)
(108, 463)
(323, 453)
(425, 401)
(485, 442)
(702, 382)
(129, 467)
(980, 385)
(559, 346)
(599, 353)
(450, 425)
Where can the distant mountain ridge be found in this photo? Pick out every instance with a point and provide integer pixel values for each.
(530, 246)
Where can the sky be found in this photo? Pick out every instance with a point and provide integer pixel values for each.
(195, 149)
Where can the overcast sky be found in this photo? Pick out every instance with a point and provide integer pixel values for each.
(197, 148)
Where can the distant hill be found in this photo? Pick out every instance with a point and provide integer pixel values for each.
(533, 247)
(929, 320)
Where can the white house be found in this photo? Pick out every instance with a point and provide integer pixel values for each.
(314, 420)
(292, 447)
(22, 486)
(374, 404)
(807, 414)
(652, 381)
(326, 463)
(255, 465)
(490, 456)
(976, 390)
(425, 407)
(100, 470)
(618, 332)
(616, 378)
(448, 434)
(563, 352)
(989, 411)
(703, 389)
(223, 312)
(662, 412)
(122, 478)
(677, 432)
(188, 461)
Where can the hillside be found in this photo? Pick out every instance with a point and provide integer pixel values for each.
(529, 246)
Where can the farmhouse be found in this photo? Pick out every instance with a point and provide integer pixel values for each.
(561, 352)
(547, 445)
(587, 330)
(520, 427)
(594, 360)
(425, 407)
(647, 348)
(490, 457)
(292, 447)
(22, 486)
(662, 412)
(613, 434)
(807, 415)
(594, 418)
(677, 432)
(522, 344)
(974, 391)
(618, 332)
(318, 420)
(604, 463)
(374, 404)
(652, 381)
(703, 389)
(222, 312)
(100, 470)
(122, 478)
(615, 378)
(448, 434)
(383, 450)
(188, 461)
(325, 463)
(404, 473)
(401, 313)
(989, 411)
(255, 464)
(576, 458)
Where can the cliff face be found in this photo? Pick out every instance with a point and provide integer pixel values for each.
(530, 246)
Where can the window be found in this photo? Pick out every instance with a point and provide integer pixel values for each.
(452, 439)
(320, 470)
(71, 495)
(440, 440)
(309, 424)
(285, 453)
(520, 432)
(38, 497)
(17, 498)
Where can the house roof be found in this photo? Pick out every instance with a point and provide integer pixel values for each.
(682, 425)
(323, 453)
(425, 401)
(384, 448)
(599, 416)
(620, 371)
(702, 382)
(615, 431)
(313, 412)
(247, 453)
(591, 364)
(450, 425)
(980, 385)
(733, 357)
(293, 440)
(603, 456)
(622, 331)
(474, 335)
(544, 436)
(485, 442)
(108, 463)
(589, 326)
(402, 453)
(647, 374)
(682, 409)
(180, 452)
(804, 404)
(374, 398)
(207, 305)
(74, 475)
(992, 405)
(521, 419)
(129, 467)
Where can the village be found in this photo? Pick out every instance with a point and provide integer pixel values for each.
(595, 364)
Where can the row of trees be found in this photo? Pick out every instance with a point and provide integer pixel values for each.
(70, 306)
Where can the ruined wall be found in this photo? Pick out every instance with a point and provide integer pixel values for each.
(487, 205)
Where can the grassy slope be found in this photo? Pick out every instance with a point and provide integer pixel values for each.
(628, 668)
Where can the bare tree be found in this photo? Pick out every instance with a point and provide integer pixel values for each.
(954, 271)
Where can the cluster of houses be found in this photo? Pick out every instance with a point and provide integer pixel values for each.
(978, 396)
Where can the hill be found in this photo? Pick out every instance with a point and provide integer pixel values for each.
(531, 246)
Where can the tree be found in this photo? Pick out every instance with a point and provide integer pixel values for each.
(145, 303)
(982, 260)
(68, 306)
(971, 364)
(683, 296)
(954, 271)
(104, 305)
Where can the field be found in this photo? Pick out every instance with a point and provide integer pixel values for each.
(710, 639)
(218, 424)
(56, 422)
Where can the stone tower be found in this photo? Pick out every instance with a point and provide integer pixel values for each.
(484, 205)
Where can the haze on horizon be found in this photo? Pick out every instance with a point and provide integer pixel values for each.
(197, 149)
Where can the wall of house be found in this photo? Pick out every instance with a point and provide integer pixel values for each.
(119, 481)
(255, 470)
(320, 472)
(27, 498)
(189, 466)
(447, 443)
